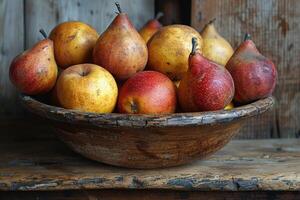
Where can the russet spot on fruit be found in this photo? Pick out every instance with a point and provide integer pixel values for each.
(120, 49)
(254, 75)
(169, 50)
(73, 43)
(87, 87)
(206, 86)
(35, 71)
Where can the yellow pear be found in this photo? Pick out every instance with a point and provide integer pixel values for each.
(169, 50)
(215, 47)
(229, 106)
(151, 27)
(73, 43)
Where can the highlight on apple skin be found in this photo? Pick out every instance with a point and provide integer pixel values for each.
(147, 92)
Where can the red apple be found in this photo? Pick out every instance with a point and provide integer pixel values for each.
(147, 92)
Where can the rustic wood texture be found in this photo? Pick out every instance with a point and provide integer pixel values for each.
(99, 14)
(146, 141)
(36, 161)
(149, 195)
(11, 44)
(273, 25)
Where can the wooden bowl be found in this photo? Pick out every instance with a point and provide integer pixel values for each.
(146, 141)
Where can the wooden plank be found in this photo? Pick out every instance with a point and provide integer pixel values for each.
(34, 161)
(11, 44)
(99, 14)
(273, 25)
(148, 195)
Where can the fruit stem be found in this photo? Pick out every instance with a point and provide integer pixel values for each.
(42, 31)
(118, 7)
(159, 15)
(212, 21)
(194, 45)
(247, 37)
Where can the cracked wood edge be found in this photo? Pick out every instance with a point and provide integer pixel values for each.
(141, 121)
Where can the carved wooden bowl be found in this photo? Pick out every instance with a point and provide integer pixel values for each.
(146, 141)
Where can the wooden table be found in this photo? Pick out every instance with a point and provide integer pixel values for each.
(33, 160)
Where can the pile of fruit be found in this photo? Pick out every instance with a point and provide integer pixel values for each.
(156, 70)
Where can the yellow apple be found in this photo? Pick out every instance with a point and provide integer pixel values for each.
(87, 87)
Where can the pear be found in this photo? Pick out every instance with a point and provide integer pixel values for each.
(35, 71)
(151, 27)
(254, 75)
(121, 49)
(73, 43)
(229, 106)
(215, 47)
(206, 86)
(169, 50)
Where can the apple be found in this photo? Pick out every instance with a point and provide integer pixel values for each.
(87, 87)
(147, 92)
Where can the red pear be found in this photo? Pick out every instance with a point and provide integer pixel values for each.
(151, 27)
(147, 92)
(254, 75)
(121, 49)
(206, 86)
(35, 71)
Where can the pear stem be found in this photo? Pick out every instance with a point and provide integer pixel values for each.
(194, 45)
(159, 15)
(212, 21)
(247, 37)
(118, 7)
(42, 31)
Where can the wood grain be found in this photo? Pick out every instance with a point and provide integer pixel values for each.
(146, 141)
(33, 161)
(99, 14)
(11, 44)
(149, 195)
(273, 25)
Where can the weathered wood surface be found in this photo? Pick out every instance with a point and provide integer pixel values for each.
(11, 44)
(99, 14)
(146, 141)
(274, 27)
(36, 161)
(149, 195)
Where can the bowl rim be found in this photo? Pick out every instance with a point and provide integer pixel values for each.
(108, 120)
